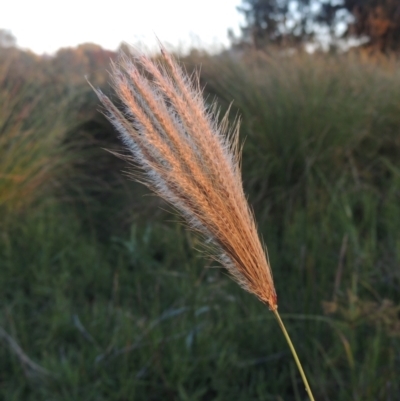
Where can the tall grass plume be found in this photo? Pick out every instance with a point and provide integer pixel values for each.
(192, 161)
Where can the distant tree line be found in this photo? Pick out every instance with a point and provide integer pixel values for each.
(373, 23)
(7, 39)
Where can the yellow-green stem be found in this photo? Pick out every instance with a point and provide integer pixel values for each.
(296, 358)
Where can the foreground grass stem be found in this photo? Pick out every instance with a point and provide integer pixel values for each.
(296, 358)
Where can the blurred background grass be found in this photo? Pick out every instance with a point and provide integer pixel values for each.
(103, 294)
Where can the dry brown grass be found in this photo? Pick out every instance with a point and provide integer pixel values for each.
(191, 161)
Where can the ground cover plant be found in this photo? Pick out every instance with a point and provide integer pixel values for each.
(130, 313)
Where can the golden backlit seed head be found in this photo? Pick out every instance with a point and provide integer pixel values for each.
(191, 161)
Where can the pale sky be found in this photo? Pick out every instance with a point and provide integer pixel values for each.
(46, 25)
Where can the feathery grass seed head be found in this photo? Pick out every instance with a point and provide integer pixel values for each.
(191, 161)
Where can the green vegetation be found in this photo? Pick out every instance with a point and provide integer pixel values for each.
(110, 297)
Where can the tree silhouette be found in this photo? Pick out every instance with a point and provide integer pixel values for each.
(376, 23)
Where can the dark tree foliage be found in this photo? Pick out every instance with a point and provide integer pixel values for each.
(377, 20)
(291, 22)
(276, 21)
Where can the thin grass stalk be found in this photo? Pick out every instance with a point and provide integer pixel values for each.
(294, 353)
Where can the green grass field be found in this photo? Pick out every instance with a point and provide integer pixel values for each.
(104, 295)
